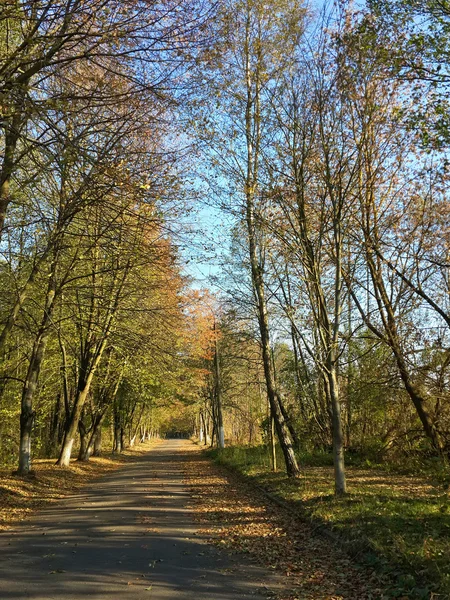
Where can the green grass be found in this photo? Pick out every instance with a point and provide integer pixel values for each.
(397, 522)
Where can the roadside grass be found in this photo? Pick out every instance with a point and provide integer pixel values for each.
(21, 496)
(396, 522)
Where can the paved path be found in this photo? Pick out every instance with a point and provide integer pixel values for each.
(130, 536)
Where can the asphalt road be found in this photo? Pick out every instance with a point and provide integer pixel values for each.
(129, 536)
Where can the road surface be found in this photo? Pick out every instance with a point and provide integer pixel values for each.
(128, 536)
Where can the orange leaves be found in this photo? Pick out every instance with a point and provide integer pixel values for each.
(199, 308)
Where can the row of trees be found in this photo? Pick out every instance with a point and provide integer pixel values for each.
(322, 133)
(326, 140)
(93, 303)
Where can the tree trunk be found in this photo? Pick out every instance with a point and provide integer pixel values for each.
(66, 389)
(417, 399)
(392, 338)
(298, 379)
(87, 372)
(55, 425)
(143, 435)
(118, 439)
(284, 412)
(97, 450)
(213, 433)
(286, 417)
(253, 143)
(72, 425)
(200, 427)
(220, 429)
(338, 437)
(66, 451)
(273, 448)
(26, 426)
(205, 428)
(134, 430)
(280, 423)
(32, 378)
(27, 413)
(83, 452)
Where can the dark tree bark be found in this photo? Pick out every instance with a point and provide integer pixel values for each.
(83, 452)
(97, 450)
(32, 377)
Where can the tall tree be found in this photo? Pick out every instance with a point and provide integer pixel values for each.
(256, 40)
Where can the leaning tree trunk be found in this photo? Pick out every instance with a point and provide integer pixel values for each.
(289, 424)
(280, 423)
(84, 385)
(263, 321)
(72, 425)
(429, 427)
(392, 338)
(253, 137)
(284, 412)
(95, 441)
(31, 382)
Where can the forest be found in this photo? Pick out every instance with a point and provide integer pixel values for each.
(228, 220)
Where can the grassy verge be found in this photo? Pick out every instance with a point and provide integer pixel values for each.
(234, 515)
(21, 496)
(398, 523)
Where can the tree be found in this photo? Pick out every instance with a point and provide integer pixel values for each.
(82, 43)
(318, 170)
(392, 256)
(254, 40)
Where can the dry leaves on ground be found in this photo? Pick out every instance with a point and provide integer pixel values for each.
(238, 517)
(21, 496)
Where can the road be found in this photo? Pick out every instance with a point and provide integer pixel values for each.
(130, 536)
